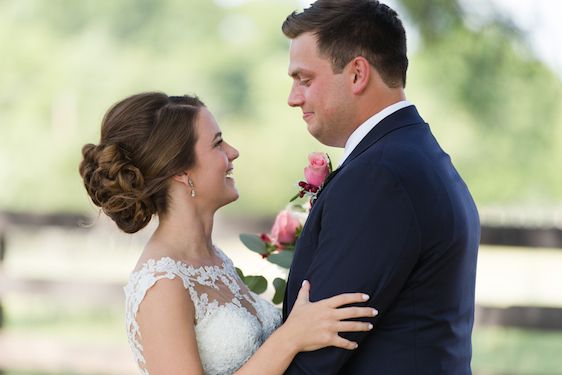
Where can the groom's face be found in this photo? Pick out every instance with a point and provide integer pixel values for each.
(322, 95)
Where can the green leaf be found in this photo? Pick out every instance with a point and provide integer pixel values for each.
(283, 258)
(257, 284)
(279, 285)
(297, 195)
(240, 273)
(254, 243)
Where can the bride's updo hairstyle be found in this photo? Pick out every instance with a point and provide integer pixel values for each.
(145, 140)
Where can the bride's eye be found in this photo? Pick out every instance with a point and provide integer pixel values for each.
(218, 143)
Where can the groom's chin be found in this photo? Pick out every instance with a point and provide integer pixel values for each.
(315, 132)
(325, 139)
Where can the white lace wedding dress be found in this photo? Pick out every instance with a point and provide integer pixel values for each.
(231, 322)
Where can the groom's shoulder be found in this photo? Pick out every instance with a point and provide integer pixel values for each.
(391, 153)
(399, 162)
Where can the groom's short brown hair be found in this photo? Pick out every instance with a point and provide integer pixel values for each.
(348, 28)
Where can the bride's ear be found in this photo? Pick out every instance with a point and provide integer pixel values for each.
(182, 178)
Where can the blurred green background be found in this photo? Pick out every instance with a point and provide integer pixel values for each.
(494, 106)
(492, 103)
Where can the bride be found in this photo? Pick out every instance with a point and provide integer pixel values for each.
(187, 311)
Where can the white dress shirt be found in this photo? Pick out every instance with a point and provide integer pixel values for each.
(357, 136)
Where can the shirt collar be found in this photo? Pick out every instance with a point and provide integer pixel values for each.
(357, 136)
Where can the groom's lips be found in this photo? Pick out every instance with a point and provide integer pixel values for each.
(307, 115)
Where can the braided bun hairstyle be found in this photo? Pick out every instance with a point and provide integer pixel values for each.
(145, 139)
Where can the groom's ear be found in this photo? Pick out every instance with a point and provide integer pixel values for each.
(360, 71)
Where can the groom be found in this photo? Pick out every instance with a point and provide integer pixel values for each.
(395, 220)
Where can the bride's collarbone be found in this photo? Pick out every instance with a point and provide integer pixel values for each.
(192, 257)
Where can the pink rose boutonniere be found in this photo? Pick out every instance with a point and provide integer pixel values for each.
(319, 167)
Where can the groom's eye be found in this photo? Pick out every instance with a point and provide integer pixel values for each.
(304, 82)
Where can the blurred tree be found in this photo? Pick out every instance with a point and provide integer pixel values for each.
(71, 60)
(434, 19)
(482, 66)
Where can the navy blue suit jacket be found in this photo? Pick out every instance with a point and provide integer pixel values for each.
(397, 222)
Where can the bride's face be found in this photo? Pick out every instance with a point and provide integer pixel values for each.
(214, 185)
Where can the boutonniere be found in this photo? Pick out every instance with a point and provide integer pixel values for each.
(319, 167)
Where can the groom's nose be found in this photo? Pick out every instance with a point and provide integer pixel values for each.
(296, 98)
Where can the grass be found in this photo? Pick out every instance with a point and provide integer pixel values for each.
(517, 352)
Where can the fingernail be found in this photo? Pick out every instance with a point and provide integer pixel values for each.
(304, 281)
(356, 346)
(370, 326)
(365, 297)
(375, 312)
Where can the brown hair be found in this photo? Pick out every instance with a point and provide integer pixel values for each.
(346, 29)
(145, 139)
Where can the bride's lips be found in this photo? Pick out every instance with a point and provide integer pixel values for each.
(228, 174)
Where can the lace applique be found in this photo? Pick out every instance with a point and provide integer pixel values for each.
(231, 321)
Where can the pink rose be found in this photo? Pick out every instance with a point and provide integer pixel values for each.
(317, 169)
(285, 227)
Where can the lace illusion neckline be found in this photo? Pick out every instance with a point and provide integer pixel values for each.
(152, 262)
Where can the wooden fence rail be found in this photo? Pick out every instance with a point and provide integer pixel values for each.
(532, 237)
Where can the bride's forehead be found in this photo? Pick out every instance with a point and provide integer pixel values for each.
(206, 123)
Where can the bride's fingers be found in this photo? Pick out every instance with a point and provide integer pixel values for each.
(346, 299)
(304, 293)
(353, 326)
(340, 342)
(355, 312)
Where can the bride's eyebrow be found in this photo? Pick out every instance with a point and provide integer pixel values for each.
(217, 136)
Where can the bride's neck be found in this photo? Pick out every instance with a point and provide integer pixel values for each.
(186, 233)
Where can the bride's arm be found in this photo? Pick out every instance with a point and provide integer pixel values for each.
(310, 326)
(166, 319)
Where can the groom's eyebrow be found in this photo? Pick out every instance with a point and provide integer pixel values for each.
(298, 73)
(294, 74)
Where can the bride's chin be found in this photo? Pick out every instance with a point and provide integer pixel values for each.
(232, 197)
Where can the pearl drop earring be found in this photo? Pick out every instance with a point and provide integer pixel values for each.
(192, 186)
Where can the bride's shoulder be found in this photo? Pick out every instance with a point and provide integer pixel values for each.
(149, 271)
(155, 264)
(226, 260)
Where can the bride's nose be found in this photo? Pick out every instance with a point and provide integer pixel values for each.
(232, 153)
